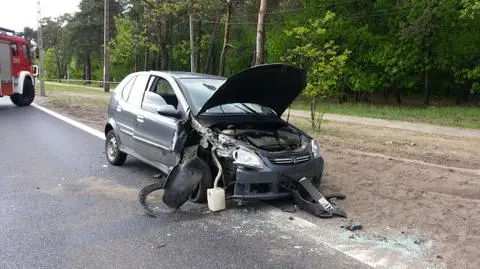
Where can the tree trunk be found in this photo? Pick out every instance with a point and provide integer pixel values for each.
(260, 46)
(163, 46)
(59, 64)
(198, 39)
(169, 38)
(457, 91)
(398, 92)
(426, 93)
(211, 46)
(193, 56)
(145, 67)
(135, 60)
(88, 69)
(226, 36)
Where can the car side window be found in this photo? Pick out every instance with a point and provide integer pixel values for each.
(162, 87)
(128, 87)
(14, 50)
(138, 89)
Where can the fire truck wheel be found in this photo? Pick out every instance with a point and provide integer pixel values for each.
(26, 98)
(112, 151)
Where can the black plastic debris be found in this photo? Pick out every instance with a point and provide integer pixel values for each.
(354, 225)
(309, 198)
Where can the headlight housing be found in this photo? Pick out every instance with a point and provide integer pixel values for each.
(247, 158)
(316, 149)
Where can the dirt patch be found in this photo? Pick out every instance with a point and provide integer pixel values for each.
(392, 198)
(438, 149)
(85, 109)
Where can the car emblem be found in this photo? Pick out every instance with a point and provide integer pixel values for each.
(294, 159)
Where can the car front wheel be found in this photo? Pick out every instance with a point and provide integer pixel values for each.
(112, 150)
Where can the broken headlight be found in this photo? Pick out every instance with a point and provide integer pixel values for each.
(316, 149)
(247, 158)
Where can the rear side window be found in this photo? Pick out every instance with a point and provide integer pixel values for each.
(128, 87)
(137, 91)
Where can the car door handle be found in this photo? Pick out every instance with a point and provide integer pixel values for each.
(140, 119)
(118, 108)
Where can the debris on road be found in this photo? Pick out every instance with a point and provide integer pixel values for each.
(419, 241)
(290, 209)
(354, 225)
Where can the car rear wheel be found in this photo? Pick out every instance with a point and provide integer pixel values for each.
(112, 150)
(26, 98)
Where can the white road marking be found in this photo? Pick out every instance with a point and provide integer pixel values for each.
(70, 121)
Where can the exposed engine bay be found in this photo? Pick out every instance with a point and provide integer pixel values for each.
(271, 138)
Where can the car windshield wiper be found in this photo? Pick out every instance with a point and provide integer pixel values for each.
(248, 109)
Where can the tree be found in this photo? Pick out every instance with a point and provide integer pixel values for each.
(226, 37)
(322, 59)
(85, 32)
(54, 35)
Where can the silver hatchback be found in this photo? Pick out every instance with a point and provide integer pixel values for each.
(231, 128)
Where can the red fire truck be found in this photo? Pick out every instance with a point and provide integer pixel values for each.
(17, 73)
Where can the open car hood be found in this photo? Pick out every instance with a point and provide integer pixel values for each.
(272, 85)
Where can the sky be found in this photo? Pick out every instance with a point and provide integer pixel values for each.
(16, 14)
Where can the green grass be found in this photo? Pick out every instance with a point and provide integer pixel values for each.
(465, 117)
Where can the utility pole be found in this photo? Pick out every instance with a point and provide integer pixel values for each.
(40, 49)
(106, 59)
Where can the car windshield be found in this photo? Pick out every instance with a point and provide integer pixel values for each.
(200, 90)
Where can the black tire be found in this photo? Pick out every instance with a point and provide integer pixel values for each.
(28, 95)
(112, 151)
(200, 193)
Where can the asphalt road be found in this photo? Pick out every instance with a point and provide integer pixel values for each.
(61, 206)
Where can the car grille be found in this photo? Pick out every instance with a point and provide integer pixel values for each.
(292, 159)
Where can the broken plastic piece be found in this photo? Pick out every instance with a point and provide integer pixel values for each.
(309, 198)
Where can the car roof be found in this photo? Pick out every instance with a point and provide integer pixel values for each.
(186, 75)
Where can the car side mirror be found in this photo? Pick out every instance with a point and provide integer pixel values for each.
(168, 111)
(35, 70)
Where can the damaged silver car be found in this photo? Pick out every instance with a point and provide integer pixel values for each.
(202, 130)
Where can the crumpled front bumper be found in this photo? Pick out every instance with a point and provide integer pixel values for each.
(252, 184)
